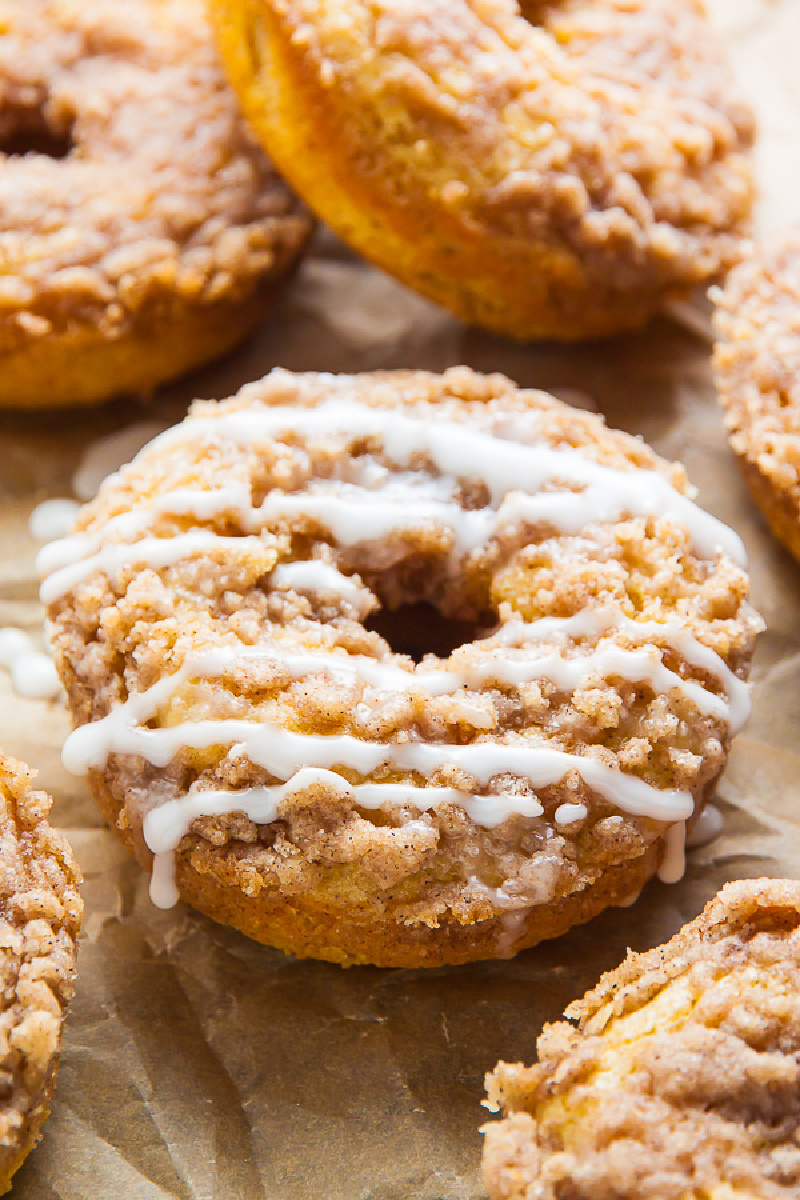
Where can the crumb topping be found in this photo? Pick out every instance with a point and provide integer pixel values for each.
(679, 1078)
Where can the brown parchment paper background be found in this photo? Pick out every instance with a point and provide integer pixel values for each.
(200, 1066)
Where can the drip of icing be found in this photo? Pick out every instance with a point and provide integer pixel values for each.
(163, 889)
(707, 827)
(512, 928)
(14, 643)
(464, 452)
(53, 519)
(673, 864)
(33, 674)
(565, 814)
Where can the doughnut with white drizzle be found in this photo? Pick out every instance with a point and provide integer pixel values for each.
(225, 577)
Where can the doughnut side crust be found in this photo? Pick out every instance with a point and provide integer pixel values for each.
(156, 234)
(602, 659)
(557, 177)
(40, 915)
(678, 1078)
(757, 363)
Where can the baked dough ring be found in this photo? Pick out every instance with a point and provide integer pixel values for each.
(40, 915)
(681, 1079)
(216, 623)
(552, 177)
(757, 361)
(162, 237)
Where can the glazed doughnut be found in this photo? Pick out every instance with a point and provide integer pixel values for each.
(220, 624)
(681, 1080)
(541, 169)
(141, 231)
(40, 917)
(757, 361)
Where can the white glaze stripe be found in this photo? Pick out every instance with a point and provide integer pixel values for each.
(314, 576)
(358, 515)
(165, 825)
(151, 552)
(282, 752)
(464, 452)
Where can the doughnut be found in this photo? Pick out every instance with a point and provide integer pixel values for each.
(142, 232)
(680, 1078)
(545, 170)
(757, 364)
(399, 668)
(40, 915)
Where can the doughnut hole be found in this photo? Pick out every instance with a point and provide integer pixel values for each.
(38, 128)
(33, 138)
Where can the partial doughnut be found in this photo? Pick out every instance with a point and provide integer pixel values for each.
(680, 1077)
(142, 232)
(542, 169)
(757, 361)
(233, 624)
(40, 916)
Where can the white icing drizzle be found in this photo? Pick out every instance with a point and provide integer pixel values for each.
(355, 514)
(511, 930)
(707, 827)
(14, 643)
(673, 864)
(566, 814)
(33, 674)
(595, 622)
(151, 552)
(281, 752)
(317, 577)
(52, 519)
(565, 673)
(464, 452)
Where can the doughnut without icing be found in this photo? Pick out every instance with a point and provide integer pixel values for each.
(219, 618)
(757, 361)
(40, 915)
(163, 235)
(680, 1079)
(556, 176)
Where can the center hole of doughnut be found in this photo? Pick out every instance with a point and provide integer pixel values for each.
(36, 138)
(420, 629)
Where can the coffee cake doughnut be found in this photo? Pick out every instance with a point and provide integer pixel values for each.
(40, 915)
(681, 1080)
(542, 169)
(757, 361)
(218, 622)
(142, 232)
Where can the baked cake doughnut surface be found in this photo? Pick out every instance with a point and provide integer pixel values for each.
(542, 169)
(218, 624)
(40, 915)
(680, 1079)
(757, 361)
(142, 231)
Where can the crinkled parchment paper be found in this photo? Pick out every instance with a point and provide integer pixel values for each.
(197, 1064)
